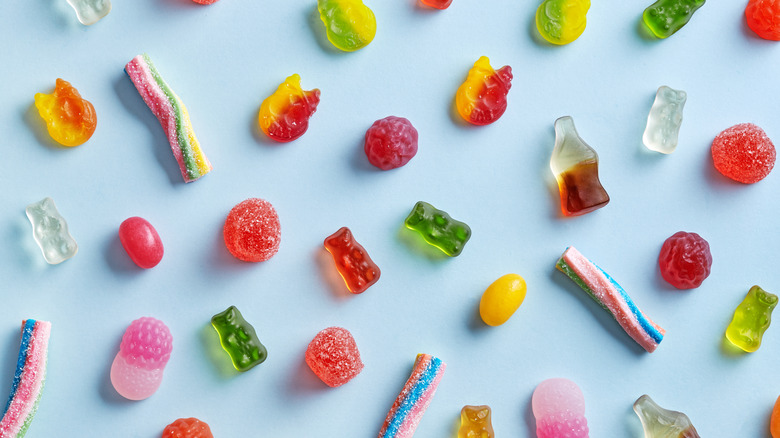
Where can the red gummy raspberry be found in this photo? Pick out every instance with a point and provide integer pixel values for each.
(744, 153)
(685, 260)
(252, 232)
(391, 142)
(763, 16)
(187, 428)
(334, 356)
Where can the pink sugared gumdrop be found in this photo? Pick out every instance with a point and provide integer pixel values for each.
(685, 260)
(559, 408)
(141, 241)
(744, 153)
(334, 356)
(252, 232)
(391, 142)
(137, 370)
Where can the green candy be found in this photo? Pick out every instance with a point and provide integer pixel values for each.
(666, 17)
(438, 228)
(751, 319)
(238, 339)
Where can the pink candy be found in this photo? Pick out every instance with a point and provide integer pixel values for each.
(141, 241)
(559, 408)
(137, 370)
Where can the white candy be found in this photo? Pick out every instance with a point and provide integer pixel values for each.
(663, 123)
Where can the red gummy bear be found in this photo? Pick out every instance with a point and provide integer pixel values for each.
(763, 16)
(187, 428)
(744, 153)
(352, 261)
(334, 356)
(391, 142)
(685, 260)
(252, 232)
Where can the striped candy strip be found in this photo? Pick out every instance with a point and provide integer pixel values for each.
(172, 114)
(28, 380)
(416, 395)
(611, 296)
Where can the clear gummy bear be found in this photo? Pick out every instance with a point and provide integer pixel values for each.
(662, 423)
(663, 123)
(138, 368)
(90, 11)
(559, 408)
(51, 231)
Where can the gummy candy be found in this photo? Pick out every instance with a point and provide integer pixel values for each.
(334, 357)
(284, 115)
(138, 368)
(141, 241)
(774, 424)
(187, 428)
(239, 339)
(562, 21)
(352, 261)
(391, 142)
(665, 17)
(70, 119)
(475, 422)
(438, 228)
(685, 260)
(172, 114)
(662, 423)
(252, 232)
(751, 319)
(205, 2)
(414, 398)
(611, 296)
(350, 25)
(90, 11)
(744, 153)
(763, 16)
(501, 299)
(27, 384)
(576, 167)
(559, 408)
(50, 231)
(481, 99)
(663, 123)
(438, 4)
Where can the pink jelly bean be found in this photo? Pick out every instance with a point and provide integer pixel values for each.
(137, 370)
(141, 241)
(559, 408)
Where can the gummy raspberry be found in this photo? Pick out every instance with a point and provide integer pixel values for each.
(744, 153)
(685, 260)
(763, 17)
(187, 428)
(334, 356)
(147, 343)
(391, 142)
(252, 232)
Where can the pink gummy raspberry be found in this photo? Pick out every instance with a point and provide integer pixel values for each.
(391, 142)
(685, 260)
(559, 408)
(744, 153)
(137, 370)
(334, 356)
(252, 232)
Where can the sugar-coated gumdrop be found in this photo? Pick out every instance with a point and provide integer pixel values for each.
(559, 408)
(481, 99)
(137, 370)
(70, 119)
(284, 115)
(349, 24)
(475, 422)
(763, 16)
(744, 153)
(391, 142)
(334, 357)
(187, 428)
(252, 232)
(438, 4)
(141, 241)
(562, 21)
(685, 260)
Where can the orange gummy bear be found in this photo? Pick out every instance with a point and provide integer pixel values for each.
(70, 119)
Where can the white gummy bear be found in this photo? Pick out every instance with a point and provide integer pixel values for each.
(90, 11)
(51, 232)
(663, 123)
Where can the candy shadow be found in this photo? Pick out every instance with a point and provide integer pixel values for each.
(475, 322)
(21, 233)
(330, 274)
(633, 423)
(414, 241)
(117, 259)
(360, 161)
(320, 34)
(528, 416)
(216, 354)
(223, 260)
(730, 350)
(37, 125)
(643, 32)
(105, 387)
(716, 179)
(303, 381)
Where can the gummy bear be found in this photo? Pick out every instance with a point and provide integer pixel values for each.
(562, 21)
(50, 231)
(252, 232)
(138, 368)
(665, 17)
(70, 119)
(576, 167)
(559, 408)
(685, 260)
(334, 357)
(438, 4)
(763, 16)
(774, 423)
(481, 99)
(658, 422)
(501, 299)
(352, 261)
(350, 25)
(663, 123)
(141, 241)
(751, 319)
(744, 153)
(438, 228)
(475, 422)
(284, 115)
(239, 339)
(187, 428)
(90, 11)
(390, 142)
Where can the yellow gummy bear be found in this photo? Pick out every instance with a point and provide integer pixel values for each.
(562, 21)
(350, 24)
(70, 119)
(475, 422)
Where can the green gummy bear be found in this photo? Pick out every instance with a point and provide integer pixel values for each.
(751, 319)
(238, 339)
(438, 228)
(666, 17)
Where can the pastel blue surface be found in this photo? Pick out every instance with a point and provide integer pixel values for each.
(224, 59)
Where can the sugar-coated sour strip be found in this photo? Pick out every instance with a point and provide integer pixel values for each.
(611, 296)
(172, 114)
(28, 380)
(416, 395)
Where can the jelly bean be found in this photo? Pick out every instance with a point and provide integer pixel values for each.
(187, 428)
(70, 119)
(390, 142)
(658, 422)
(50, 231)
(744, 153)
(90, 11)
(481, 99)
(438, 228)
(352, 261)
(763, 17)
(239, 339)
(138, 368)
(501, 299)
(685, 260)
(663, 123)
(252, 232)
(141, 241)
(334, 357)
(475, 422)
(751, 319)
(284, 115)
(350, 25)
(562, 21)
(665, 17)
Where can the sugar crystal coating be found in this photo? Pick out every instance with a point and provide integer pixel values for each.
(685, 260)
(252, 232)
(744, 153)
(391, 142)
(763, 17)
(187, 428)
(334, 357)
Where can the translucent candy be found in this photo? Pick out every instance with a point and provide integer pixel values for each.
(70, 119)
(763, 16)
(774, 423)
(90, 11)
(481, 99)
(661, 423)
(334, 357)
(51, 232)
(350, 25)
(252, 232)
(438, 228)
(438, 4)
(663, 123)
(501, 299)
(239, 339)
(352, 261)
(141, 241)
(685, 260)
(284, 115)
(475, 422)
(744, 153)
(390, 142)
(559, 408)
(665, 17)
(187, 428)
(138, 368)
(751, 319)
(562, 21)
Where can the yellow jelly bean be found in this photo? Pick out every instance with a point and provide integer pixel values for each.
(501, 299)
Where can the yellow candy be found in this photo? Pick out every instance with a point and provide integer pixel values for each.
(501, 299)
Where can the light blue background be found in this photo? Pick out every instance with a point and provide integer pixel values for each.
(224, 59)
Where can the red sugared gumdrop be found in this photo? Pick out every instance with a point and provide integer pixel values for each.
(391, 142)
(334, 356)
(685, 260)
(252, 231)
(744, 153)
(141, 241)
(187, 428)
(763, 16)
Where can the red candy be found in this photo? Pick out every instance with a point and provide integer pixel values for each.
(685, 260)
(334, 356)
(438, 4)
(252, 232)
(187, 428)
(744, 153)
(352, 261)
(141, 241)
(391, 142)
(763, 16)
(205, 2)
